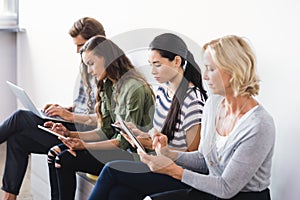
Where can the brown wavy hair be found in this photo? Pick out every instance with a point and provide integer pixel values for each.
(117, 66)
(87, 27)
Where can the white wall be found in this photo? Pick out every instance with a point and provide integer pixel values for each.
(8, 72)
(48, 64)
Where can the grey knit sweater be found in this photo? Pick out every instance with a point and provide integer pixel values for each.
(243, 165)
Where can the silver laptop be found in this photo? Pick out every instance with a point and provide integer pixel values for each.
(28, 104)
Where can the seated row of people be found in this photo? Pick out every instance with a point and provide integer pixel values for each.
(237, 134)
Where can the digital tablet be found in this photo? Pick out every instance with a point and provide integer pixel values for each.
(52, 132)
(117, 128)
(129, 133)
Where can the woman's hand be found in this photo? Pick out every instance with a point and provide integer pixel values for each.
(128, 139)
(74, 143)
(129, 125)
(143, 137)
(160, 143)
(161, 164)
(58, 128)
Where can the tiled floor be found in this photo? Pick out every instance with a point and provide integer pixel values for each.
(25, 190)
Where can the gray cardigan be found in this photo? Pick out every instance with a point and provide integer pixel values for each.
(246, 159)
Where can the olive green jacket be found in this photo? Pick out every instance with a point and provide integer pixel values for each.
(134, 103)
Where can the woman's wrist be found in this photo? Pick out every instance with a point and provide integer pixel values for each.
(146, 141)
(73, 134)
(170, 153)
(176, 171)
(70, 117)
(90, 120)
(70, 108)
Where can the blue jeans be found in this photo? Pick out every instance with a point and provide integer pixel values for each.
(131, 180)
(23, 138)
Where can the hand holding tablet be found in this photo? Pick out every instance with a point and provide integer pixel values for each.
(117, 128)
(52, 132)
(127, 130)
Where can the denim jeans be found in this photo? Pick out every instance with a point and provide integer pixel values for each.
(132, 181)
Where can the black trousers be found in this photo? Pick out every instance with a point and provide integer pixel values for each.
(23, 138)
(193, 194)
(85, 161)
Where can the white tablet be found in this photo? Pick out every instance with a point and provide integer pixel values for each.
(129, 133)
(52, 132)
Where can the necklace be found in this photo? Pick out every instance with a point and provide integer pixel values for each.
(223, 129)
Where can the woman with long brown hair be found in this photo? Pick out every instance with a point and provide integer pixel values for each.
(123, 91)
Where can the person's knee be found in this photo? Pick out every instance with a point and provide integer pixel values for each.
(109, 167)
(64, 158)
(23, 117)
(73, 153)
(126, 166)
(21, 113)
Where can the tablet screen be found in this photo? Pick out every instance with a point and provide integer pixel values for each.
(52, 132)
